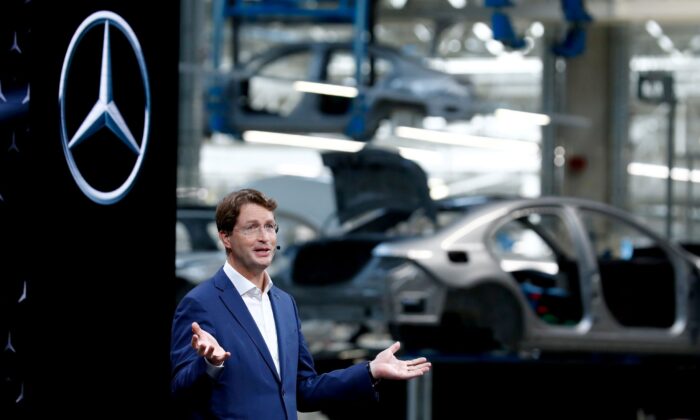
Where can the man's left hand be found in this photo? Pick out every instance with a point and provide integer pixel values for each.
(387, 366)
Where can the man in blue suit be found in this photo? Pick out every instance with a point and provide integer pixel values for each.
(237, 350)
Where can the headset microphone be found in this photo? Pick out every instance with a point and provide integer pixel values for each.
(278, 247)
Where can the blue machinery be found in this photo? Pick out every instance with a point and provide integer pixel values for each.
(574, 42)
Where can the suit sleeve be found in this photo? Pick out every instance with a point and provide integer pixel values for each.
(189, 381)
(315, 391)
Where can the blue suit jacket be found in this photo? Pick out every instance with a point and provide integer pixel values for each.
(249, 386)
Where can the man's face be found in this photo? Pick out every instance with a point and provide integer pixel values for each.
(252, 245)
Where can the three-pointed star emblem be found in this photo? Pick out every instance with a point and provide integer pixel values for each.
(105, 113)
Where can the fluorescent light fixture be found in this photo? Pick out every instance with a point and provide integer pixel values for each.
(482, 31)
(324, 143)
(311, 142)
(521, 116)
(511, 65)
(325, 89)
(458, 4)
(665, 43)
(648, 170)
(398, 4)
(661, 172)
(466, 140)
(653, 28)
(536, 29)
(422, 32)
(495, 47)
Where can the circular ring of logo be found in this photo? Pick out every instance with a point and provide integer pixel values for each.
(95, 19)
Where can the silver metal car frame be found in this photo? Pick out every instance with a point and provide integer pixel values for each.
(439, 280)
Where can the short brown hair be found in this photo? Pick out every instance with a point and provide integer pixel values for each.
(229, 207)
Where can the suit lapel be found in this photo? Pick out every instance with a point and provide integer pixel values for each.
(280, 324)
(234, 303)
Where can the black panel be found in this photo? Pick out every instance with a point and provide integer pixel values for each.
(91, 338)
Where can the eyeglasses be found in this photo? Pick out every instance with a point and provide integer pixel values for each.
(250, 230)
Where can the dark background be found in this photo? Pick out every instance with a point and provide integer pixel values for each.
(91, 339)
(572, 386)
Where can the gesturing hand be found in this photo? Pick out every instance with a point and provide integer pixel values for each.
(387, 366)
(206, 345)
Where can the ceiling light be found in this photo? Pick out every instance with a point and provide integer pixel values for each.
(665, 43)
(537, 29)
(520, 116)
(422, 32)
(312, 142)
(661, 172)
(495, 47)
(653, 28)
(511, 65)
(482, 31)
(466, 140)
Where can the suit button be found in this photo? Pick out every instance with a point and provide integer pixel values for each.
(283, 392)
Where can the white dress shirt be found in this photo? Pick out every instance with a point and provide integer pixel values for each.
(260, 308)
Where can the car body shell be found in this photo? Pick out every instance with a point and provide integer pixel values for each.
(477, 274)
(533, 274)
(260, 93)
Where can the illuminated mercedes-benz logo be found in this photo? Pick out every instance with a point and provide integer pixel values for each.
(104, 114)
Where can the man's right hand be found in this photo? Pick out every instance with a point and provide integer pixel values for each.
(206, 345)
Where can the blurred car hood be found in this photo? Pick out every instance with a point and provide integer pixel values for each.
(373, 179)
(198, 266)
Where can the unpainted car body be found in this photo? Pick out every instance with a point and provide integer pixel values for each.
(558, 274)
(376, 193)
(260, 95)
(466, 274)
